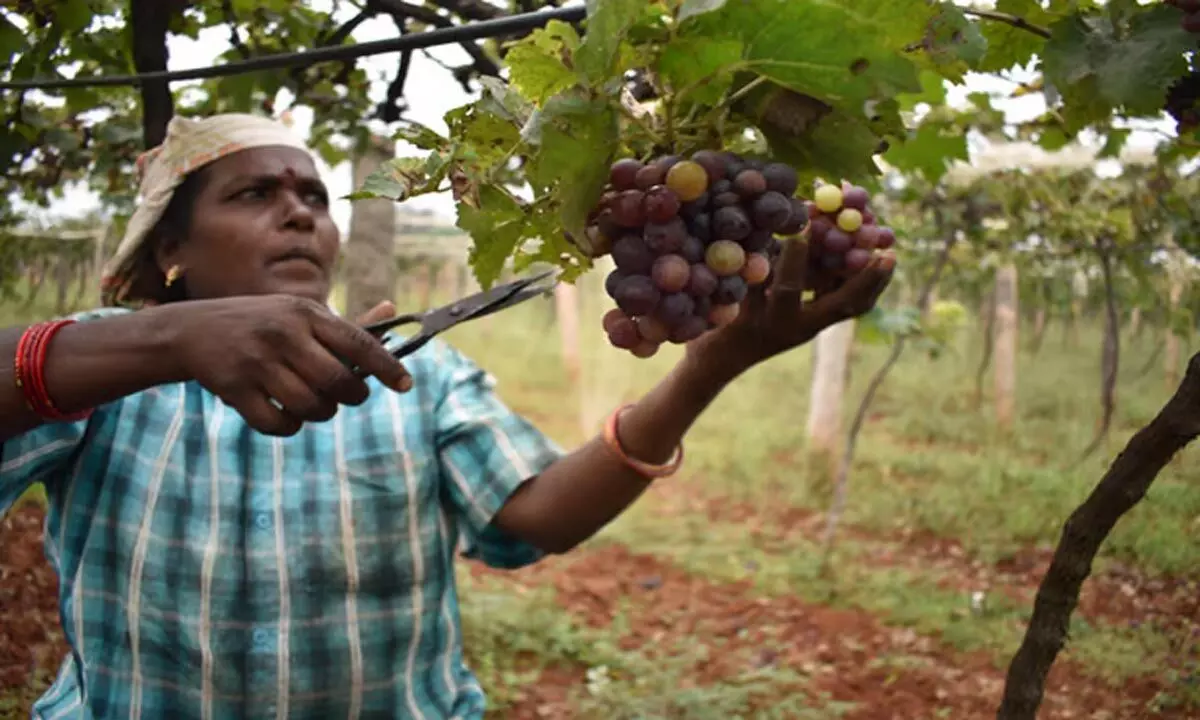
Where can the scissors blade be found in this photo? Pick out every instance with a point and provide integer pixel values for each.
(479, 304)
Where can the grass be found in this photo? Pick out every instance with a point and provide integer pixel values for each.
(930, 461)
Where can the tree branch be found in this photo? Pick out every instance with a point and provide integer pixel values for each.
(150, 20)
(1015, 20)
(483, 64)
(1121, 488)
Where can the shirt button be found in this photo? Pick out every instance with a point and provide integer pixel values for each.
(263, 521)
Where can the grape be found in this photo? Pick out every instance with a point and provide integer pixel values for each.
(623, 174)
(712, 162)
(666, 162)
(886, 239)
(703, 307)
(608, 225)
(649, 176)
(671, 273)
(611, 318)
(661, 204)
(772, 211)
(645, 349)
(665, 237)
(631, 255)
(755, 164)
(722, 315)
(867, 237)
(612, 280)
(828, 198)
(692, 250)
(726, 199)
(821, 225)
(756, 269)
(857, 259)
(750, 183)
(627, 209)
(689, 210)
(720, 187)
(702, 281)
(849, 220)
(601, 244)
(733, 164)
(623, 334)
(757, 241)
(837, 241)
(731, 289)
(725, 257)
(855, 197)
(701, 227)
(687, 179)
(868, 217)
(673, 309)
(731, 223)
(692, 327)
(636, 295)
(775, 248)
(781, 178)
(798, 219)
(652, 329)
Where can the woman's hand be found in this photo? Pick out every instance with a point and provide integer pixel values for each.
(775, 318)
(278, 360)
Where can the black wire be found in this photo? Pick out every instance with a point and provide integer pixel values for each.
(441, 36)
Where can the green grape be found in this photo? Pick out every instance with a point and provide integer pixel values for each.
(849, 220)
(687, 179)
(828, 198)
(725, 257)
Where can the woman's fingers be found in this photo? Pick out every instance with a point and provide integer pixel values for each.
(360, 349)
(787, 290)
(380, 312)
(858, 294)
(263, 415)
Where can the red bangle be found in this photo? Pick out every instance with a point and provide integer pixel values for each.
(29, 371)
(648, 470)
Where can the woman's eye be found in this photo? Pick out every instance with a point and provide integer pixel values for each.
(252, 193)
(317, 198)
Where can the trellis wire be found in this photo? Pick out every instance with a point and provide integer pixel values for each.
(432, 38)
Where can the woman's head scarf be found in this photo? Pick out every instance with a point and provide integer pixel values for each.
(189, 145)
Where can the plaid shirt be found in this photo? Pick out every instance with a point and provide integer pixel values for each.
(209, 571)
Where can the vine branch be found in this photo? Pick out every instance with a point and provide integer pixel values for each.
(1008, 19)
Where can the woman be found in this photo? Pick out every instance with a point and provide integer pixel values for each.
(242, 527)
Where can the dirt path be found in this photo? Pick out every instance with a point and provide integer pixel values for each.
(30, 639)
(889, 672)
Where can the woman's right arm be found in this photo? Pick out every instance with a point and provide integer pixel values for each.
(274, 359)
(90, 364)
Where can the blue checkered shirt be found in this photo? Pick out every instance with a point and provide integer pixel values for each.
(209, 571)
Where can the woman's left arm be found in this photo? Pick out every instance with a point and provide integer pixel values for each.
(576, 496)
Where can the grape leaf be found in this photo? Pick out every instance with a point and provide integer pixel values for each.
(401, 178)
(802, 44)
(953, 43)
(1097, 67)
(692, 8)
(881, 326)
(577, 139)
(420, 136)
(699, 67)
(537, 65)
(933, 92)
(1114, 143)
(496, 226)
(486, 138)
(1007, 45)
(927, 151)
(607, 23)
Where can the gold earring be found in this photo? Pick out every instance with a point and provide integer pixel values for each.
(173, 275)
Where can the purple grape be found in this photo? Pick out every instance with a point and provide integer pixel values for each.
(731, 223)
(702, 282)
(857, 259)
(666, 237)
(726, 199)
(837, 241)
(692, 250)
(757, 241)
(696, 207)
(798, 219)
(772, 211)
(701, 227)
(703, 307)
(886, 238)
(692, 327)
(855, 197)
(673, 309)
(730, 289)
(636, 295)
(612, 281)
(632, 256)
(781, 178)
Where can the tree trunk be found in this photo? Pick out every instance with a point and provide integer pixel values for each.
(831, 357)
(1005, 363)
(566, 306)
(369, 270)
(1121, 488)
(1039, 329)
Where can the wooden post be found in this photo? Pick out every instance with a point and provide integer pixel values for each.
(831, 358)
(1006, 330)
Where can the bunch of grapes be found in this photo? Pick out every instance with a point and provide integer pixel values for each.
(843, 231)
(689, 237)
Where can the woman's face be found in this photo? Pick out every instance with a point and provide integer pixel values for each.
(260, 225)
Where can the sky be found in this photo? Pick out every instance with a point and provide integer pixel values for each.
(431, 92)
